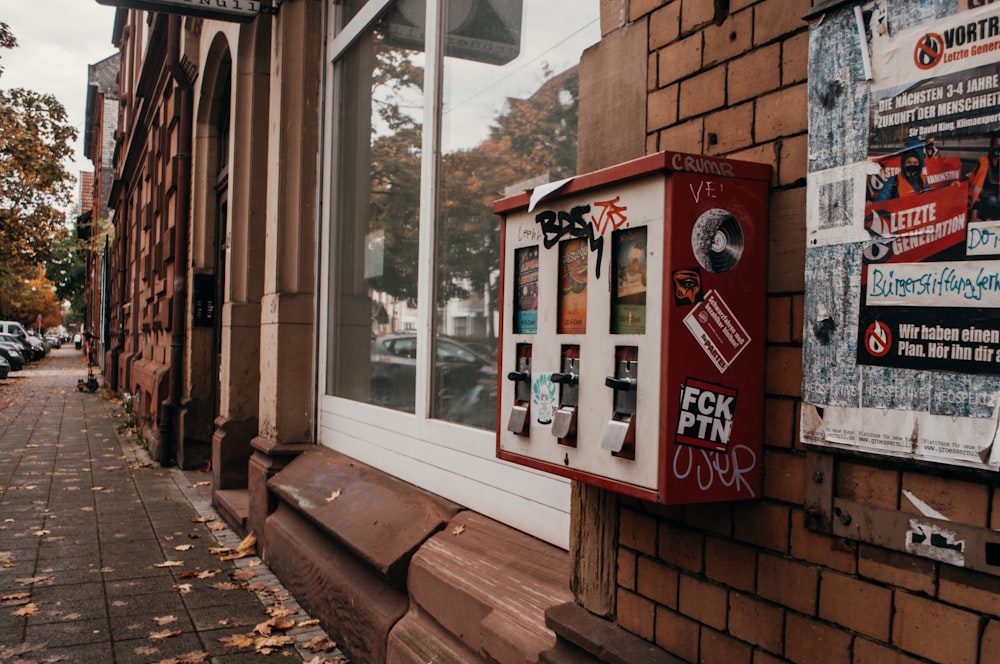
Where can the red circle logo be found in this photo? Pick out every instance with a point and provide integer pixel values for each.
(928, 51)
(878, 339)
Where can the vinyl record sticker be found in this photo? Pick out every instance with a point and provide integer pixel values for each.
(717, 240)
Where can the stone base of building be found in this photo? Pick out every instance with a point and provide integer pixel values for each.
(400, 575)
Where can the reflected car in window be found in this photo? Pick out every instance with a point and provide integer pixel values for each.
(466, 380)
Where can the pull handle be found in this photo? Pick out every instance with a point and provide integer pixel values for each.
(566, 378)
(621, 384)
(518, 376)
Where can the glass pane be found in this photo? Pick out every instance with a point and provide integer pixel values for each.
(373, 306)
(509, 115)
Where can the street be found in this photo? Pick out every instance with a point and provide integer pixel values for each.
(107, 557)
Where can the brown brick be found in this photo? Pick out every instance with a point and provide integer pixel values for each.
(779, 319)
(627, 564)
(990, 647)
(857, 605)
(784, 371)
(995, 511)
(935, 631)
(664, 25)
(784, 476)
(730, 563)
(676, 634)
(821, 548)
(684, 137)
(794, 159)
(754, 74)
(787, 582)
(637, 531)
(755, 621)
(897, 569)
(867, 652)
(779, 423)
(730, 128)
(652, 143)
(652, 74)
(718, 647)
(868, 484)
(970, 590)
(761, 657)
(639, 8)
(703, 93)
(798, 315)
(613, 15)
(776, 19)
(636, 614)
(782, 113)
(795, 59)
(726, 41)
(808, 640)
(703, 601)
(695, 14)
(661, 108)
(682, 547)
(786, 260)
(965, 502)
(710, 517)
(764, 524)
(766, 154)
(679, 60)
(657, 582)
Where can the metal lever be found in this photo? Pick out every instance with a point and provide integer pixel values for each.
(519, 376)
(622, 384)
(566, 378)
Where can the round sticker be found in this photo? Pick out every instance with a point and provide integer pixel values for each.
(878, 339)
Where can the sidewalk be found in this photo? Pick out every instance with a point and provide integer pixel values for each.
(107, 557)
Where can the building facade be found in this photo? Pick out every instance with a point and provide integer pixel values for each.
(307, 271)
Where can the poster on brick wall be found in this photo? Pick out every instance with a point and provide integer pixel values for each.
(902, 347)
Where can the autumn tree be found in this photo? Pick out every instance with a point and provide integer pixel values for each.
(35, 188)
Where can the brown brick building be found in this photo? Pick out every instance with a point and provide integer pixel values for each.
(338, 210)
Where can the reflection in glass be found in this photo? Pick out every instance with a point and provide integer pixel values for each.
(509, 115)
(379, 121)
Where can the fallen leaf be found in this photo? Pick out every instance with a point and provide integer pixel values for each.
(267, 644)
(333, 496)
(169, 563)
(109, 469)
(37, 580)
(183, 588)
(224, 585)
(237, 641)
(198, 484)
(320, 643)
(243, 575)
(71, 616)
(165, 634)
(308, 623)
(13, 597)
(184, 547)
(97, 488)
(41, 533)
(204, 519)
(216, 527)
(27, 610)
(193, 657)
(119, 603)
(146, 650)
(164, 620)
(458, 530)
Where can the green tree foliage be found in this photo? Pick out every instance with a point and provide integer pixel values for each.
(35, 188)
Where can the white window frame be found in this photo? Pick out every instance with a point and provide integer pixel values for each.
(454, 461)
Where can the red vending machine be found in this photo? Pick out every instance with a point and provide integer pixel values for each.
(632, 328)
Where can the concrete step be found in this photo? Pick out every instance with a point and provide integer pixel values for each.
(233, 505)
(489, 587)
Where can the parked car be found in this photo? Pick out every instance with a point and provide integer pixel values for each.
(466, 380)
(23, 347)
(4, 368)
(12, 356)
(53, 340)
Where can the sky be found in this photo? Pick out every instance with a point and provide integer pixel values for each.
(57, 39)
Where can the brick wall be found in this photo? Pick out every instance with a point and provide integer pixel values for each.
(750, 582)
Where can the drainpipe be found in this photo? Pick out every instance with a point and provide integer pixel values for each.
(170, 409)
